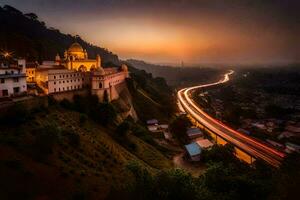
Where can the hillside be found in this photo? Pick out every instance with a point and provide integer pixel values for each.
(26, 36)
(56, 153)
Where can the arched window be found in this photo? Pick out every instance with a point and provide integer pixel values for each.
(82, 68)
(100, 85)
(93, 68)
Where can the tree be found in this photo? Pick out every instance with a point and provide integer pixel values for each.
(179, 126)
(123, 128)
(31, 16)
(105, 97)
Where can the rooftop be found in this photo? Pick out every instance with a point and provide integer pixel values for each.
(193, 149)
(204, 143)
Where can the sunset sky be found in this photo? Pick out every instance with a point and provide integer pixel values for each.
(171, 31)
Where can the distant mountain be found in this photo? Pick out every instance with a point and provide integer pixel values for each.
(26, 36)
(177, 76)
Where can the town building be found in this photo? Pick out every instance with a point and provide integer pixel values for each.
(12, 78)
(152, 122)
(30, 71)
(204, 143)
(194, 151)
(193, 133)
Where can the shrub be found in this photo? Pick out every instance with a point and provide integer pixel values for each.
(45, 140)
(15, 115)
(82, 118)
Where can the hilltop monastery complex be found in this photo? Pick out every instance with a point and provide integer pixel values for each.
(74, 72)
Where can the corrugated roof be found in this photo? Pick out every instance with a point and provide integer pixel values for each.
(193, 149)
(204, 143)
(193, 132)
(152, 121)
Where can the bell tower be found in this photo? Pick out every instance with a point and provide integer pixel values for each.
(98, 61)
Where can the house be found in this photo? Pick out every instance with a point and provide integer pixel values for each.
(167, 135)
(193, 133)
(152, 122)
(163, 126)
(152, 128)
(30, 71)
(12, 78)
(204, 143)
(193, 151)
(275, 144)
(285, 134)
(290, 147)
(294, 129)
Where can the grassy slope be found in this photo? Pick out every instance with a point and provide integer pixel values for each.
(88, 170)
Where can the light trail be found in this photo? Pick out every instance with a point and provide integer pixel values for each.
(254, 147)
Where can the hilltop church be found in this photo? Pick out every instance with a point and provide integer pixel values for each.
(75, 71)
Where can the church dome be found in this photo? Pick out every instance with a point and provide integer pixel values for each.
(75, 47)
(101, 71)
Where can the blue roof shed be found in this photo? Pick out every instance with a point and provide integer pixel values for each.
(193, 149)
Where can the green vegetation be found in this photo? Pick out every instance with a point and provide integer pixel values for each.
(59, 145)
(225, 178)
(178, 127)
(103, 113)
(152, 97)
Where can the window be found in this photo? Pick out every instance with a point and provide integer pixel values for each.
(58, 89)
(16, 80)
(100, 85)
(67, 88)
(54, 89)
(67, 81)
(54, 77)
(71, 87)
(67, 76)
(59, 76)
(63, 89)
(2, 80)
(59, 82)
(63, 81)
(54, 82)
(16, 90)
(4, 93)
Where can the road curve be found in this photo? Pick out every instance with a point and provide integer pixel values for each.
(254, 147)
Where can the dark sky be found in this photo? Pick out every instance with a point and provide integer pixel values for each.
(195, 31)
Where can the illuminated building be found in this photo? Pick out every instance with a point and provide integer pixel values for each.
(12, 78)
(30, 71)
(76, 58)
(77, 72)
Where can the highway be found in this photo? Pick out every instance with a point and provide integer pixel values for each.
(255, 148)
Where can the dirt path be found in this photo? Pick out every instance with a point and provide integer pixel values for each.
(195, 169)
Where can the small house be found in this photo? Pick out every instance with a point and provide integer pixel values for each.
(193, 133)
(152, 122)
(193, 151)
(152, 128)
(204, 143)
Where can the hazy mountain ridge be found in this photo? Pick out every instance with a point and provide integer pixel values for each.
(178, 76)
